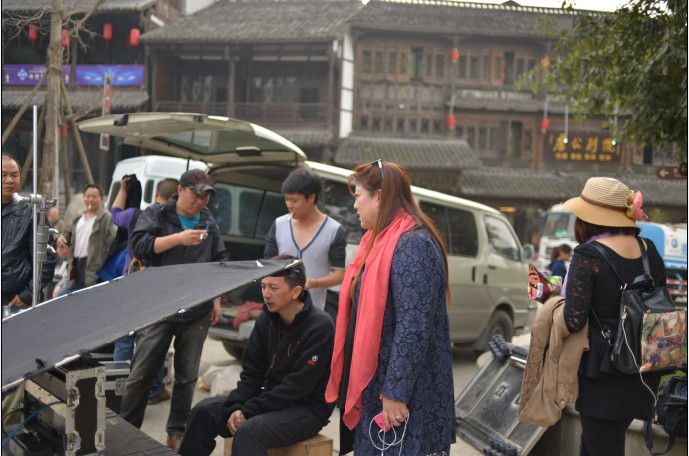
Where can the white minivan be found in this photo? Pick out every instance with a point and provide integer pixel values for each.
(488, 267)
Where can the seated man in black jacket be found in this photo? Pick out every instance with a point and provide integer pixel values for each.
(280, 398)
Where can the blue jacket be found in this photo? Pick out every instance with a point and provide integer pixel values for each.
(17, 254)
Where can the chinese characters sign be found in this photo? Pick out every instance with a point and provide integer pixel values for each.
(580, 147)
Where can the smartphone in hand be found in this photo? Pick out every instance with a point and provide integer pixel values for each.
(381, 424)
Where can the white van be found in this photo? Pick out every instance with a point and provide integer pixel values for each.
(488, 268)
(149, 171)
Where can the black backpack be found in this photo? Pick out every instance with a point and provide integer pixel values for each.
(671, 411)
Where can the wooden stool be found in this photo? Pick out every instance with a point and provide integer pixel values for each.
(319, 445)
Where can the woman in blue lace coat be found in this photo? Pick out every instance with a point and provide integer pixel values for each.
(393, 355)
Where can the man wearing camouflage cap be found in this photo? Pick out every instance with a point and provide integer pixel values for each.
(182, 231)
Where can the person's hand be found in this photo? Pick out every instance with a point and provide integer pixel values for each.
(61, 241)
(394, 413)
(16, 302)
(236, 420)
(192, 237)
(215, 313)
(311, 283)
(123, 183)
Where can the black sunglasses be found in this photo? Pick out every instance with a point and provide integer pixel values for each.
(379, 162)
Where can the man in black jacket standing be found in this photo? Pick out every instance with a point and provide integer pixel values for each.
(280, 398)
(180, 232)
(17, 244)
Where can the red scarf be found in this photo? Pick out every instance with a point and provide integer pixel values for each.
(373, 296)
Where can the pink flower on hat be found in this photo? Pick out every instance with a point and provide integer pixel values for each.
(634, 210)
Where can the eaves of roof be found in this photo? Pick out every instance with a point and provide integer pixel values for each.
(227, 22)
(558, 186)
(31, 6)
(308, 138)
(461, 18)
(83, 99)
(414, 154)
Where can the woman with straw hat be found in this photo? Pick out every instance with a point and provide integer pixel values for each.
(607, 212)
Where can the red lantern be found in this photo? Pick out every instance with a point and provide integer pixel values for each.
(451, 121)
(66, 39)
(546, 62)
(33, 33)
(134, 37)
(545, 123)
(454, 54)
(107, 31)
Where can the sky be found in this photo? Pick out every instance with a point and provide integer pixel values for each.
(594, 5)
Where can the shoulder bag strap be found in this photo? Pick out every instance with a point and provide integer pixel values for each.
(644, 256)
(604, 330)
(648, 439)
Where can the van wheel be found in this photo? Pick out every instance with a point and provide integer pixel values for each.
(233, 349)
(499, 323)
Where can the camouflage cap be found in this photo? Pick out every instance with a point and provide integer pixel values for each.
(197, 180)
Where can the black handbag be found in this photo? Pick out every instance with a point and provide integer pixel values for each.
(650, 331)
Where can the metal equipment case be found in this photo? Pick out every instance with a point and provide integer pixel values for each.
(70, 405)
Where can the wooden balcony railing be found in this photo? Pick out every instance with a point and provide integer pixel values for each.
(271, 115)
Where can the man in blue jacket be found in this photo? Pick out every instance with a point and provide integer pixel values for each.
(17, 244)
(180, 232)
(280, 398)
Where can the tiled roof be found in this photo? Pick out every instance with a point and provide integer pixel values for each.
(307, 138)
(416, 154)
(260, 21)
(82, 99)
(26, 6)
(458, 18)
(559, 186)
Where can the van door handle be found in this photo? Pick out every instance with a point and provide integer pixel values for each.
(473, 274)
(492, 266)
(485, 279)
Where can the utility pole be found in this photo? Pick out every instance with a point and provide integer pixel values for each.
(48, 177)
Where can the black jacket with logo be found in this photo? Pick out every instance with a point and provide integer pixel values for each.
(157, 221)
(286, 364)
(17, 254)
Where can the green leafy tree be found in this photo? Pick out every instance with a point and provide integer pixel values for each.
(630, 66)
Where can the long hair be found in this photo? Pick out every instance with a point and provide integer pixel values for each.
(395, 186)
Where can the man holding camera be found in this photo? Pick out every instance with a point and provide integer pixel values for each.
(179, 232)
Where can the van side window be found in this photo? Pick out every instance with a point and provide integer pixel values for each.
(457, 228)
(438, 214)
(336, 201)
(501, 239)
(463, 232)
(272, 208)
(220, 206)
(148, 191)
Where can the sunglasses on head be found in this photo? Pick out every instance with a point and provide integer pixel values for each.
(379, 162)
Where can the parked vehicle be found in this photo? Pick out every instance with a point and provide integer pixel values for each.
(557, 229)
(488, 268)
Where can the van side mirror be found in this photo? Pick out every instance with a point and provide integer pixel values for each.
(528, 252)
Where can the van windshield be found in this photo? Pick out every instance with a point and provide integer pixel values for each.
(559, 225)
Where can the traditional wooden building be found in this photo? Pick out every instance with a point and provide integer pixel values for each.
(100, 39)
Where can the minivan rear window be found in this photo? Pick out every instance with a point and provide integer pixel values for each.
(336, 201)
(245, 211)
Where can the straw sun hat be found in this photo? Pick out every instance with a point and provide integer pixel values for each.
(607, 202)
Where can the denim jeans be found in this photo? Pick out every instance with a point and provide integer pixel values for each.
(275, 429)
(152, 345)
(124, 350)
